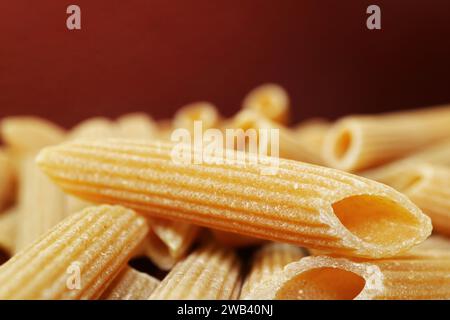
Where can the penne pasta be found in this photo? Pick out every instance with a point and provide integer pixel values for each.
(235, 240)
(131, 284)
(302, 204)
(42, 204)
(29, 134)
(289, 147)
(208, 273)
(8, 227)
(169, 241)
(204, 112)
(270, 101)
(435, 242)
(438, 153)
(267, 263)
(77, 259)
(360, 142)
(136, 126)
(409, 277)
(428, 186)
(7, 180)
(94, 128)
(311, 134)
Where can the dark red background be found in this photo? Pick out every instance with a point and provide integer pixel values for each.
(156, 55)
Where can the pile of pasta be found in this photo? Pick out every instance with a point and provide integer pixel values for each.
(349, 213)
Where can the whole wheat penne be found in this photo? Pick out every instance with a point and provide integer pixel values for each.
(42, 204)
(413, 276)
(360, 142)
(210, 272)
(29, 134)
(312, 133)
(428, 186)
(301, 204)
(131, 284)
(77, 259)
(289, 147)
(7, 180)
(8, 227)
(169, 241)
(136, 126)
(92, 128)
(269, 100)
(204, 112)
(438, 153)
(267, 262)
(235, 240)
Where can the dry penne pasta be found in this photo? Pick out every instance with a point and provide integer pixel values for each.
(77, 259)
(267, 262)
(289, 147)
(269, 100)
(131, 284)
(203, 112)
(8, 227)
(428, 186)
(360, 142)
(311, 134)
(235, 240)
(301, 204)
(169, 241)
(29, 134)
(7, 180)
(136, 126)
(412, 276)
(42, 204)
(438, 153)
(94, 128)
(210, 272)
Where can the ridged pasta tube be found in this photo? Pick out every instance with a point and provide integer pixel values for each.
(301, 204)
(360, 142)
(77, 259)
(208, 273)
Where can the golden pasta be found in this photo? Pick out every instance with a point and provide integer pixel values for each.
(204, 112)
(311, 135)
(169, 241)
(360, 142)
(77, 259)
(42, 204)
(269, 100)
(428, 186)
(94, 128)
(208, 273)
(8, 227)
(289, 147)
(412, 276)
(136, 126)
(301, 204)
(438, 153)
(29, 134)
(267, 263)
(131, 284)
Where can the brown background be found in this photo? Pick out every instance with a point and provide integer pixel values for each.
(156, 55)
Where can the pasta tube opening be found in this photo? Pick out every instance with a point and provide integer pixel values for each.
(322, 284)
(377, 220)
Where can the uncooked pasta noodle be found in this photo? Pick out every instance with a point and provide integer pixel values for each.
(301, 204)
(269, 100)
(360, 142)
(136, 126)
(267, 262)
(7, 179)
(131, 284)
(411, 276)
(8, 227)
(202, 112)
(210, 272)
(77, 259)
